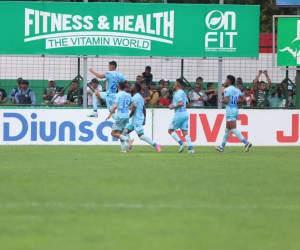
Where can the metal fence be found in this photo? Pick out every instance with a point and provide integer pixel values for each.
(39, 69)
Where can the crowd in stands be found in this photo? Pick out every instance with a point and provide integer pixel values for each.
(259, 94)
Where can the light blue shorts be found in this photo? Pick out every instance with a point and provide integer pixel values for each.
(120, 124)
(232, 114)
(110, 100)
(136, 126)
(180, 121)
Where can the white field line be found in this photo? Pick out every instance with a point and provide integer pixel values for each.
(92, 205)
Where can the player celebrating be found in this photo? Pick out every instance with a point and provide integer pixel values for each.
(232, 96)
(138, 117)
(121, 108)
(113, 79)
(181, 118)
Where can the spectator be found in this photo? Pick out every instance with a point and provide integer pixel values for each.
(164, 97)
(15, 90)
(59, 98)
(249, 97)
(50, 91)
(93, 87)
(25, 95)
(145, 92)
(211, 93)
(3, 96)
(240, 84)
(139, 79)
(163, 84)
(147, 75)
(290, 97)
(276, 97)
(197, 96)
(261, 89)
(74, 96)
(154, 95)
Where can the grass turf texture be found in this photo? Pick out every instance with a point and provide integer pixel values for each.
(75, 198)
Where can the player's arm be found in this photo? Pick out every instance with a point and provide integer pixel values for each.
(112, 111)
(98, 75)
(178, 105)
(132, 110)
(225, 100)
(144, 111)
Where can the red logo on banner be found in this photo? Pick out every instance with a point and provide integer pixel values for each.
(294, 137)
(211, 133)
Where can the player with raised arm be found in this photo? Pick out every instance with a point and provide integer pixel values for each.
(120, 111)
(232, 96)
(181, 117)
(138, 117)
(113, 78)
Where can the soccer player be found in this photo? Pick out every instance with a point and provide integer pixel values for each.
(181, 118)
(138, 117)
(120, 111)
(232, 96)
(113, 78)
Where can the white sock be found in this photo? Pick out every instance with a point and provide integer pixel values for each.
(176, 138)
(147, 140)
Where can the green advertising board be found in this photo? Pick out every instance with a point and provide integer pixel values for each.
(124, 29)
(288, 41)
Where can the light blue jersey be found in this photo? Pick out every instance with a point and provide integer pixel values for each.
(138, 102)
(123, 101)
(181, 118)
(137, 120)
(180, 96)
(232, 107)
(113, 79)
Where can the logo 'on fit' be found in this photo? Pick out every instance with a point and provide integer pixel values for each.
(222, 26)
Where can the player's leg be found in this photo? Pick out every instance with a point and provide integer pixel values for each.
(129, 128)
(231, 116)
(185, 128)
(117, 131)
(110, 99)
(140, 132)
(172, 131)
(239, 135)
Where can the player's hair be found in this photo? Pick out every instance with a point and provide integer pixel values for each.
(180, 81)
(148, 68)
(231, 78)
(138, 87)
(122, 85)
(113, 63)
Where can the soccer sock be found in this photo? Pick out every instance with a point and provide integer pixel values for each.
(147, 140)
(239, 135)
(225, 138)
(95, 103)
(176, 138)
(123, 138)
(123, 145)
(189, 142)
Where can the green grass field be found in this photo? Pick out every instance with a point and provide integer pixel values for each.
(94, 198)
